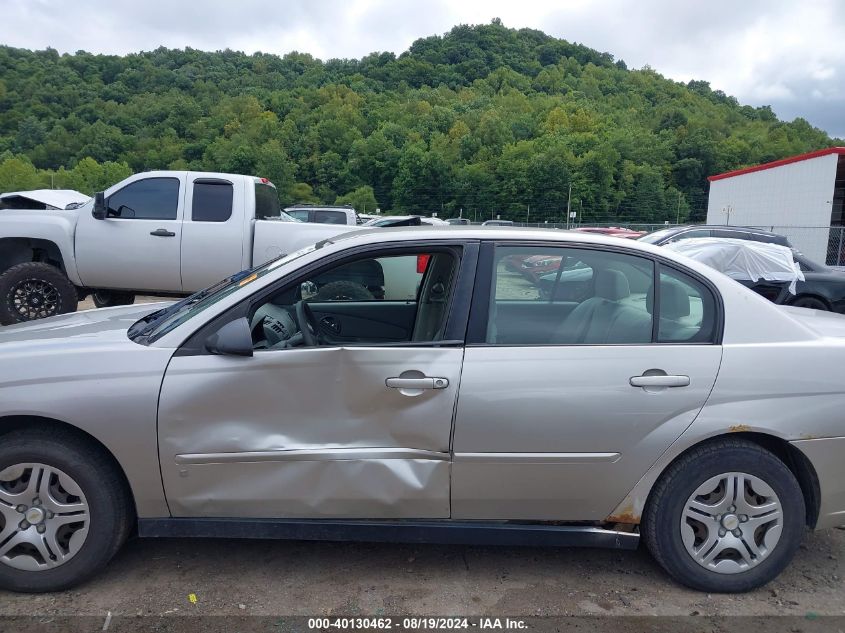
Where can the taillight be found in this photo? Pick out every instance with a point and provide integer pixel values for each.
(422, 263)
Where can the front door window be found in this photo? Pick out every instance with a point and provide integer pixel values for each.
(400, 298)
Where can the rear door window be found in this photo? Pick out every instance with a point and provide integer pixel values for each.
(266, 202)
(212, 201)
(570, 296)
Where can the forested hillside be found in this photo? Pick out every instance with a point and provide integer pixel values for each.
(483, 119)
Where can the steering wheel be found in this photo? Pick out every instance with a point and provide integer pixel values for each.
(307, 323)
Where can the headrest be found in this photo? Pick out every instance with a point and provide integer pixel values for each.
(612, 285)
(674, 300)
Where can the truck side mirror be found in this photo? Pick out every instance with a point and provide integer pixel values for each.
(100, 209)
(233, 339)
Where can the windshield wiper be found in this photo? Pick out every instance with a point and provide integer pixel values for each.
(152, 320)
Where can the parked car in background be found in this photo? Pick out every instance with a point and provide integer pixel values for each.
(43, 199)
(405, 220)
(459, 221)
(613, 231)
(159, 232)
(323, 214)
(675, 233)
(818, 288)
(497, 223)
(667, 403)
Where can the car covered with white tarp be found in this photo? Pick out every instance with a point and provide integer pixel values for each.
(743, 260)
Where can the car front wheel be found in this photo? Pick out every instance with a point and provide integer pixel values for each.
(726, 517)
(64, 510)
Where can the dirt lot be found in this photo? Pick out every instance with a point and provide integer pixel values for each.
(231, 577)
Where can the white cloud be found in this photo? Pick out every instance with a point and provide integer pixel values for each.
(779, 52)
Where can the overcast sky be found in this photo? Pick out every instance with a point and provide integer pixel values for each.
(786, 53)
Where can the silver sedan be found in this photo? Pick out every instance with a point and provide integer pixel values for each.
(414, 384)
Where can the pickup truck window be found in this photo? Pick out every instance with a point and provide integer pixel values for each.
(159, 323)
(266, 202)
(299, 214)
(212, 201)
(330, 217)
(148, 199)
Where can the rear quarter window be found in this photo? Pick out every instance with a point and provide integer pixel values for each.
(266, 201)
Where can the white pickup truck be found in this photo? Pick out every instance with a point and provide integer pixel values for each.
(158, 232)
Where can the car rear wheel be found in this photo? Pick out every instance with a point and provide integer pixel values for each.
(813, 303)
(726, 517)
(34, 290)
(64, 511)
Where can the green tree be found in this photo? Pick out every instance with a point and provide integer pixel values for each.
(362, 199)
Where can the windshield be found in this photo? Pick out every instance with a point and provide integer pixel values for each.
(155, 325)
(654, 238)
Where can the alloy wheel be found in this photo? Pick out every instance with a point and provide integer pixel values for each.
(34, 299)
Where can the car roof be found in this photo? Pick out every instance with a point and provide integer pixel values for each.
(478, 232)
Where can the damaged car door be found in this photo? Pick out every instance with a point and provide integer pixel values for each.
(344, 407)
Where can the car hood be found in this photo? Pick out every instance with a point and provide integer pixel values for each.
(78, 328)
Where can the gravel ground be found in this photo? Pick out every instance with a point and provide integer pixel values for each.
(235, 577)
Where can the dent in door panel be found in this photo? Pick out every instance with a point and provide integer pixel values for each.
(205, 400)
(307, 433)
(343, 488)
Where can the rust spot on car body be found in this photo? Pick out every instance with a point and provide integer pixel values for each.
(739, 428)
(626, 516)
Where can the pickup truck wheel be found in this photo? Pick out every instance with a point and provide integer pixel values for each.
(343, 291)
(34, 290)
(64, 510)
(726, 517)
(110, 298)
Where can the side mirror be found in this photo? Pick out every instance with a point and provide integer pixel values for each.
(233, 339)
(99, 211)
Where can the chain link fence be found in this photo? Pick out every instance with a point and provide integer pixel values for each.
(824, 244)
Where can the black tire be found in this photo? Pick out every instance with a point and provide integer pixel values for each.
(662, 517)
(111, 298)
(813, 303)
(343, 291)
(62, 294)
(110, 509)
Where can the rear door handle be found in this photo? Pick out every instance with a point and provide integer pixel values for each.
(163, 233)
(659, 381)
(417, 383)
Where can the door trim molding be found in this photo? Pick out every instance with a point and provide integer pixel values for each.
(538, 458)
(310, 455)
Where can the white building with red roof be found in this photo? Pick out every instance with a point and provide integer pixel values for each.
(800, 197)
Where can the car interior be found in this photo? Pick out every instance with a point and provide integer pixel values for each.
(593, 298)
(382, 300)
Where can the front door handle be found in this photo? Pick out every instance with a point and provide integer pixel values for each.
(163, 233)
(417, 383)
(659, 380)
